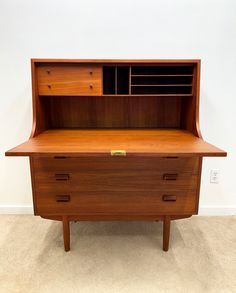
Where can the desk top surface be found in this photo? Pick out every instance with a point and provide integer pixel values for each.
(100, 142)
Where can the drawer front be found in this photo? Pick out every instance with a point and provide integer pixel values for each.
(149, 202)
(69, 80)
(115, 174)
(114, 181)
(91, 164)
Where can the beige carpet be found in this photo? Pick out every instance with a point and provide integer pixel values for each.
(117, 256)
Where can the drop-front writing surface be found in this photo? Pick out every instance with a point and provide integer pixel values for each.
(115, 140)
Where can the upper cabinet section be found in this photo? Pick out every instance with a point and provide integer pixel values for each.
(112, 79)
(69, 79)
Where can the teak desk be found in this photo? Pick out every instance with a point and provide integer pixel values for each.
(115, 140)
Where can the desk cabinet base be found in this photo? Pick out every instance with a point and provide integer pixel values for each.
(115, 188)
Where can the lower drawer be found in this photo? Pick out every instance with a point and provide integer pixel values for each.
(149, 202)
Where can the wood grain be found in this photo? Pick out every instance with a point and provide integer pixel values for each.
(113, 180)
(113, 112)
(66, 232)
(158, 142)
(118, 202)
(116, 61)
(166, 232)
(114, 217)
(52, 165)
(69, 79)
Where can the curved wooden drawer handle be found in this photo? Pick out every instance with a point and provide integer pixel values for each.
(63, 198)
(170, 176)
(167, 197)
(62, 177)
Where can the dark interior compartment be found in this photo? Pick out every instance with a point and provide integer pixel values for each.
(161, 70)
(123, 80)
(161, 90)
(109, 80)
(113, 111)
(159, 80)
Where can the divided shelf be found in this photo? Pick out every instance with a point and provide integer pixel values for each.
(148, 80)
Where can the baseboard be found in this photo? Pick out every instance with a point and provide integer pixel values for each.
(16, 209)
(203, 210)
(217, 210)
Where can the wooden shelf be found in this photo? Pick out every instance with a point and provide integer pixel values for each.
(100, 142)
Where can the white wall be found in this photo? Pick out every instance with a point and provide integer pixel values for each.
(202, 29)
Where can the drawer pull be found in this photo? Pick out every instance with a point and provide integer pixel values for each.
(91, 85)
(48, 71)
(60, 157)
(62, 177)
(167, 197)
(90, 72)
(170, 176)
(171, 157)
(49, 86)
(62, 198)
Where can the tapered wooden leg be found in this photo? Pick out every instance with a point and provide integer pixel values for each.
(66, 232)
(166, 232)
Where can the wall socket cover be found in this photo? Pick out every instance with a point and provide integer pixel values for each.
(215, 175)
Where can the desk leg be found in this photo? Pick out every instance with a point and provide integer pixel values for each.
(66, 232)
(166, 232)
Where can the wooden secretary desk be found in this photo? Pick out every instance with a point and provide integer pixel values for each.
(115, 140)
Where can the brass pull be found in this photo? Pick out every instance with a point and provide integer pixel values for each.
(170, 176)
(118, 153)
(167, 197)
(62, 177)
(63, 198)
(91, 85)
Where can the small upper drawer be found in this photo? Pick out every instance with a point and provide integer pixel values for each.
(69, 79)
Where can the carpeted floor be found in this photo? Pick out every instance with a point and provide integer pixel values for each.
(117, 256)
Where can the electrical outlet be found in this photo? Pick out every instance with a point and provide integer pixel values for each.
(215, 176)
